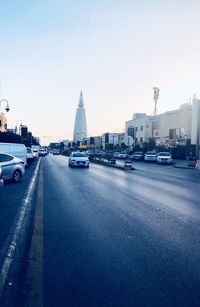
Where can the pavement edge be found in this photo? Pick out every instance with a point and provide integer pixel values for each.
(14, 253)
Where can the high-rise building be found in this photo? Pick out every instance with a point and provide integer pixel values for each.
(80, 125)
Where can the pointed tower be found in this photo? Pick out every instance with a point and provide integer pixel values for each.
(80, 125)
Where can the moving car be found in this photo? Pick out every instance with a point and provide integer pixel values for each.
(12, 167)
(164, 158)
(138, 155)
(42, 152)
(150, 156)
(78, 159)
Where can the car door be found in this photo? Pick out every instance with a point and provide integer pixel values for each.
(6, 165)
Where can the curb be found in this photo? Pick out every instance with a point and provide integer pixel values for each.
(14, 253)
(184, 167)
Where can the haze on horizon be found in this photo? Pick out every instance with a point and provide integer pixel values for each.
(114, 51)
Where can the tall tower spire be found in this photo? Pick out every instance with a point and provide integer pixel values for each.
(81, 103)
(80, 125)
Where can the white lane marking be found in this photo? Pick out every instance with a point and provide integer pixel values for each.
(12, 249)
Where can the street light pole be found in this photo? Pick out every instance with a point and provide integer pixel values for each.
(7, 108)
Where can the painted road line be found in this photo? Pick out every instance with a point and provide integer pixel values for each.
(34, 277)
(12, 252)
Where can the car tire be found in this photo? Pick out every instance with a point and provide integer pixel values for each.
(17, 175)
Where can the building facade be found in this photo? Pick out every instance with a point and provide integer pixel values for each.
(80, 125)
(3, 123)
(169, 128)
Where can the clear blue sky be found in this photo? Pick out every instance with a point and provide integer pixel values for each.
(115, 51)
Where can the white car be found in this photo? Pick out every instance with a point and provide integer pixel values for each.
(12, 167)
(29, 156)
(150, 156)
(164, 158)
(78, 159)
(122, 155)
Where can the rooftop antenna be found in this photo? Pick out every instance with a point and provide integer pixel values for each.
(156, 91)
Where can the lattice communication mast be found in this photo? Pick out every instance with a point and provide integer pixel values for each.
(156, 91)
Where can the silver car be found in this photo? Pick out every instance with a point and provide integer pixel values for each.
(12, 167)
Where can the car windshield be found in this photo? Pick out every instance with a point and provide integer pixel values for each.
(138, 153)
(79, 154)
(164, 154)
(150, 153)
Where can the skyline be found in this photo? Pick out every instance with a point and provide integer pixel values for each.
(115, 52)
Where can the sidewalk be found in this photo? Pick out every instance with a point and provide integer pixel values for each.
(185, 164)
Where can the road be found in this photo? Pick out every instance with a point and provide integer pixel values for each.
(106, 237)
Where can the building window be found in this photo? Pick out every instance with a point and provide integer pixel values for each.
(141, 139)
(136, 128)
(141, 128)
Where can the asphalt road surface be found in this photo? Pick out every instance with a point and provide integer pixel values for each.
(106, 237)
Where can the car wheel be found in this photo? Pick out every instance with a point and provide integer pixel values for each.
(17, 176)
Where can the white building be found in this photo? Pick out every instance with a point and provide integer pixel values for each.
(80, 125)
(171, 127)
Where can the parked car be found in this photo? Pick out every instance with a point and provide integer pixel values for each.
(138, 155)
(78, 159)
(122, 155)
(29, 156)
(164, 158)
(35, 149)
(150, 156)
(14, 149)
(12, 167)
(0, 173)
(115, 154)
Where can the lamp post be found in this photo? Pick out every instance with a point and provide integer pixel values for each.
(7, 108)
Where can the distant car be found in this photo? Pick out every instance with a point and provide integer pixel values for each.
(150, 156)
(0, 173)
(164, 158)
(115, 154)
(29, 156)
(55, 151)
(35, 149)
(138, 155)
(78, 159)
(12, 168)
(42, 152)
(122, 155)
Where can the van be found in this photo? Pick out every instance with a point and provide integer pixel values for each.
(16, 150)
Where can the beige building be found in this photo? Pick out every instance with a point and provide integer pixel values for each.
(173, 127)
(3, 123)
